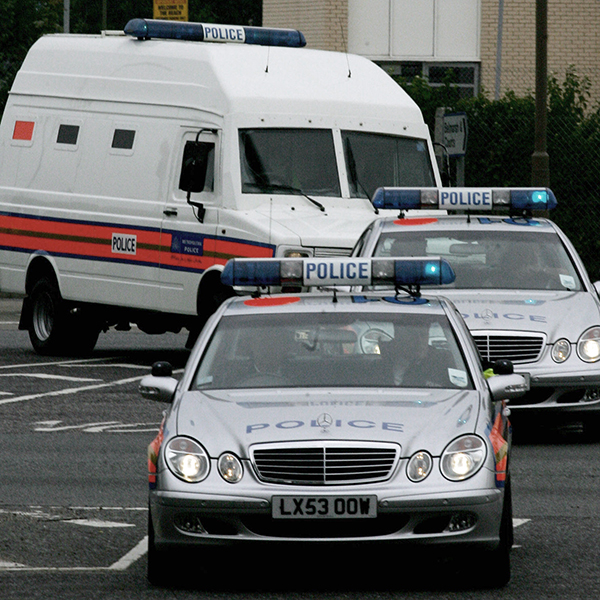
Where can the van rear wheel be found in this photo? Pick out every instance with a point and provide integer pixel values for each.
(52, 329)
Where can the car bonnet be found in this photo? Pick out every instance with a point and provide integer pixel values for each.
(233, 420)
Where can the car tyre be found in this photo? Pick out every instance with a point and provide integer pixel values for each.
(160, 562)
(494, 567)
(52, 329)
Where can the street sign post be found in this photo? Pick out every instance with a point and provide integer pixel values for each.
(455, 133)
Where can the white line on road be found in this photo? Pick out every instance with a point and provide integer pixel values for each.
(48, 376)
(68, 391)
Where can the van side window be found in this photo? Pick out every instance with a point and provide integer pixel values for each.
(67, 134)
(123, 139)
(198, 167)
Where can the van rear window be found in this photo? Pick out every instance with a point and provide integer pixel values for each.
(123, 139)
(67, 134)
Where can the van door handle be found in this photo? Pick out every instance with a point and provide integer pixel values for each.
(170, 212)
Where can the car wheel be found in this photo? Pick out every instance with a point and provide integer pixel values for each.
(494, 567)
(160, 563)
(52, 329)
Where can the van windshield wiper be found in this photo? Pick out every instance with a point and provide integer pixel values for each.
(275, 187)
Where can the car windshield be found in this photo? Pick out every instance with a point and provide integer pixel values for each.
(303, 161)
(332, 350)
(491, 259)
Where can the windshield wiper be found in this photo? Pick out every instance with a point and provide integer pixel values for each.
(273, 187)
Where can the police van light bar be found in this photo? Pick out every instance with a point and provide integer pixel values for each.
(323, 272)
(480, 199)
(144, 29)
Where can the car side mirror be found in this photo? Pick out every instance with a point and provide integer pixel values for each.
(160, 386)
(507, 387)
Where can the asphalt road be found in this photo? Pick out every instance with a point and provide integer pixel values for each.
(73, 512)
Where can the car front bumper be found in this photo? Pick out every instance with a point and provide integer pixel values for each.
(471, 517)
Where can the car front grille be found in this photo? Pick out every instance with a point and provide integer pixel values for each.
(327, 463)
(519, 348)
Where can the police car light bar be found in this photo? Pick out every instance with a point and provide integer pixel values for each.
(481, 199)
(324, 272)
(144, 29)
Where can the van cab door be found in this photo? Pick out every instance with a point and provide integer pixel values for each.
(190, 221)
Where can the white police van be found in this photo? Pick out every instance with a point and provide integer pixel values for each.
(135, 164)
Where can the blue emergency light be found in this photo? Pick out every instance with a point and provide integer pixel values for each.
(479, 199)
(327, 272)
(145, 29)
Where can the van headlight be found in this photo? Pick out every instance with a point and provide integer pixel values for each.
(187, 459)
(588, 346)
(463, 457)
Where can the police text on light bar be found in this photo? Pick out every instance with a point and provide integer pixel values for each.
(327, 272)
(480, 199)
(145, 29)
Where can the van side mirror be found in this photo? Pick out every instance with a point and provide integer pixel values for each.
(194, 169)
(197, 159)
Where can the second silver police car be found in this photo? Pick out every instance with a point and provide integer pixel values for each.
(331, 418)
(520, 285)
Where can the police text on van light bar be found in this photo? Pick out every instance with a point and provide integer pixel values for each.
(326, 272)
(145, 29)
(480, 199)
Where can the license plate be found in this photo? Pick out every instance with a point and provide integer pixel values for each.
(324, 507)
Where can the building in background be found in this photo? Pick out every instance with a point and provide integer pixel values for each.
(426, 37)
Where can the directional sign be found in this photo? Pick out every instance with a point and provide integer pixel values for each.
(455, 133)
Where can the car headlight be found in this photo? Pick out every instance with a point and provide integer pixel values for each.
(419, 466)
(230, 467)
(187, 459)
(296, 253)
(561, 350)
(463, 457)
(588, 346)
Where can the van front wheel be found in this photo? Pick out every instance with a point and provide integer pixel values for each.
(52, 329)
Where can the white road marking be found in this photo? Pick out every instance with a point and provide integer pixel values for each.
(48, 376)
(67, 391)
(74, 361)
(99, 427)
(133, 555)
(519, 522)
(98, 523)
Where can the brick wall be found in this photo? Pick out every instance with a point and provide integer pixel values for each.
(324, 23)
(573, 39)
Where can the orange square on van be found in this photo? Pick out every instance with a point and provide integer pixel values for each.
(23, 130)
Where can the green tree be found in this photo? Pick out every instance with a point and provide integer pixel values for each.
(23, 22)
(501, 143)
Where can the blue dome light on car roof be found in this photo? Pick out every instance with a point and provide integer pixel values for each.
(145, 29)
(480, 199)
(327, 272)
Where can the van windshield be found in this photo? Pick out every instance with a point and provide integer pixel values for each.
(303, 161)
(375, 160)
(289, 161)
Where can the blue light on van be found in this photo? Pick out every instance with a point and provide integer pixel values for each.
(145, 29)
(480, 199)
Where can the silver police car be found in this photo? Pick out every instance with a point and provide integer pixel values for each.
(520, 285)
(331, 418)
